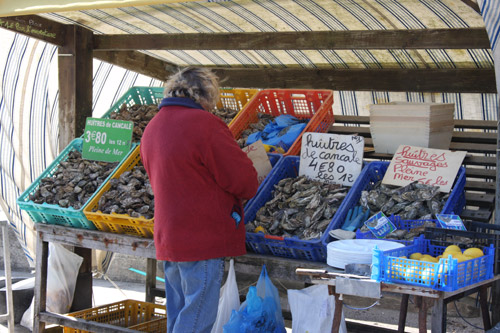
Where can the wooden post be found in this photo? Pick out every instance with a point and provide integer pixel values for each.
(75, 84)
(150, 279)
(438, 320)
(403, 312)
(40, 304)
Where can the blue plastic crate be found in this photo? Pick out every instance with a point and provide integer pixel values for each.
(400, 224)
(289, 247)
(374, 172)
(446, 275)
(55, 214)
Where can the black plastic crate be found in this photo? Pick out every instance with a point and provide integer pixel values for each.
(477, 235)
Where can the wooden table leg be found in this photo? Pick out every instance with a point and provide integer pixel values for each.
(422, 314)
(438, 320)
(337, 315)
(483, 301)
(42, 253)
(403, 312)
(150, 279)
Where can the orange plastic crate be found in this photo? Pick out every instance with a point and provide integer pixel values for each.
(315, 105)
(235, 98)
(119, 223)
(127, 313)
(153, 326)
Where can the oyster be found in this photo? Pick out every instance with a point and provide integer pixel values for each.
(414, 201)
(139, 114)
(129, 194)
(73, 182)
(299, 207)
(262, 121)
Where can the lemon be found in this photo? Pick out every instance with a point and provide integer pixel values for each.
(446, 254)
(474, 252)
(453, 248)
(428, 258)
(403, 257)
(460, 257)
(260, 229)
(416, 256)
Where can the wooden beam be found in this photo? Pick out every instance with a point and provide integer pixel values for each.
(473, 38)
(473, 5)
(415, 80)
(75, 84)
(137, 62)
(36, 27)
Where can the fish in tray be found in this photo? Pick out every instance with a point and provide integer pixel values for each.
(299, 207)
(414, 201)
(73, 183)
(129, 194)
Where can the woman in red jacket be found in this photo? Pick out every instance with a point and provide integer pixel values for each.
(199, 176)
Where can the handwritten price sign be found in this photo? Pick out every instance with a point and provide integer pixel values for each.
(428, 166)
(331, 158)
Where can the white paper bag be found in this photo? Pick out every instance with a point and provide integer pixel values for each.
(312, 310)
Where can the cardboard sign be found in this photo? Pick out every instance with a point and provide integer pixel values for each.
(106, 140)
(428, 166)
(331, 158)
(257, 153)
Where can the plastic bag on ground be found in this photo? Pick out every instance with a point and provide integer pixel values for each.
(229, 300)
(62, 271)
(312, 310)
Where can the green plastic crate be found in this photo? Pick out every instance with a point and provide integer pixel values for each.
(55, 214)
(137, 95)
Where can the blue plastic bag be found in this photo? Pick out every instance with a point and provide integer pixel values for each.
(283, 132)
(261, 312)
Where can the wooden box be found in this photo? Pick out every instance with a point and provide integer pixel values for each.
(428, 125)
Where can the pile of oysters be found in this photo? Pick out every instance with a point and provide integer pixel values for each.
(130, 194)
(73, 183)
(299, 207)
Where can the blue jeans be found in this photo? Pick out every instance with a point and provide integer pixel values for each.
(192, 290)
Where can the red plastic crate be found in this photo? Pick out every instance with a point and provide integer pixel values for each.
(315, 105)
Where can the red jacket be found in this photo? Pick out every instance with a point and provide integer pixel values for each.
(199, 175)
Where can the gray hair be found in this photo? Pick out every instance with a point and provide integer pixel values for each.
(199, 84)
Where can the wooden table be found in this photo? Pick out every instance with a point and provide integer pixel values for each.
(85, 240)
(425, 297)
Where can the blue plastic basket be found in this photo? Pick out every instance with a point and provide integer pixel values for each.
(55, 214)
(374, 171)
(400, 224)
(446, 275)
(289, 247)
